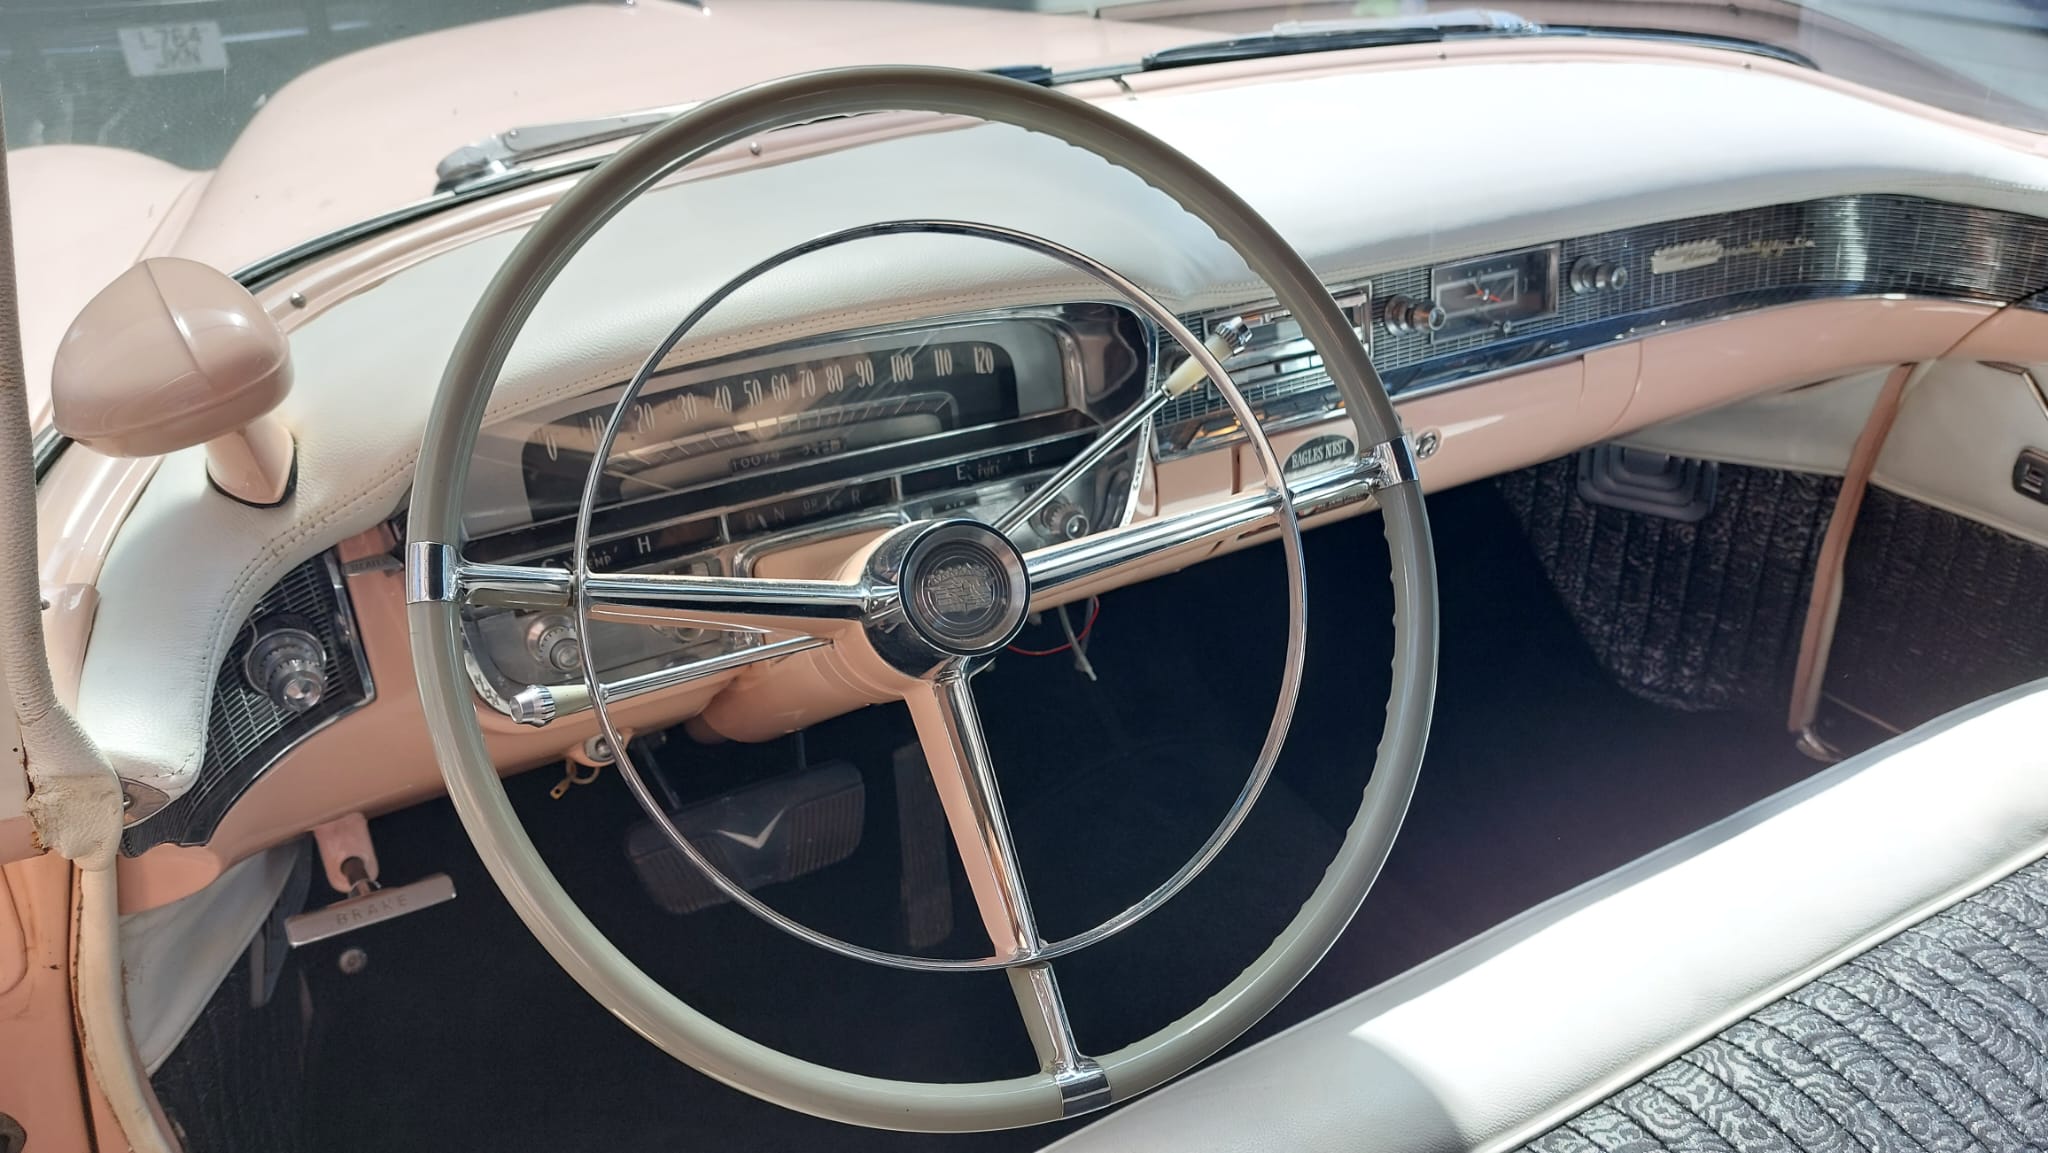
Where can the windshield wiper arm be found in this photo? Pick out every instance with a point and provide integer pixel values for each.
(498, 155)
(514, 148)
(1336, 35)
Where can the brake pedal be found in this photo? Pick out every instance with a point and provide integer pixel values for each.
(351, 863)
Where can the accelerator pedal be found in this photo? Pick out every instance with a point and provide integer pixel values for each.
(777, 830)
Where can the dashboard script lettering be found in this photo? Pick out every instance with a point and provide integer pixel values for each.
(1692, 254)
(1704, 253)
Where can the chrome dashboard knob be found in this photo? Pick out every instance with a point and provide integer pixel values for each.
(1063, 520)
(286, 663)
(551, 641)
(1590, 275)
(1405, 315)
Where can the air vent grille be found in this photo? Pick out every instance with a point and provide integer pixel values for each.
(245, 732)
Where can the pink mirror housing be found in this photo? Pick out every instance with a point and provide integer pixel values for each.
(172, 354)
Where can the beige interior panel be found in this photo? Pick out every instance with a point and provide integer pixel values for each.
(1959, 432)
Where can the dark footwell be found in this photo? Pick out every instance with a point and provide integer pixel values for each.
(461, 1034)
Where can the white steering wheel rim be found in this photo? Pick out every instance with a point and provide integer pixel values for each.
(480, 799)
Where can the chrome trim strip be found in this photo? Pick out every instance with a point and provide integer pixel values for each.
(47, 446)
(739, 596)
(1083, 1086)
(345, 620)
(432, 572)
(1057, 566)
(540, 704)
(972, 769)
(1392, 462)
(513, 585)
(2026, 374)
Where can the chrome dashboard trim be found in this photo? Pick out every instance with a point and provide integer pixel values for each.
(723, 511)
(48, 445)
(1681, 273)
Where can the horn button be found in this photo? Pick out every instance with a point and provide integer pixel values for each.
(964, 588)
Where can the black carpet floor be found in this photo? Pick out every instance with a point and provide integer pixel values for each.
(461, 1034)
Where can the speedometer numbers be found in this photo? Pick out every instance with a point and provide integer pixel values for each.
(775, 416)
(971, 379)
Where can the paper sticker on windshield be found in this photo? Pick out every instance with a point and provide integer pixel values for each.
(1317, 453)
(171, 49)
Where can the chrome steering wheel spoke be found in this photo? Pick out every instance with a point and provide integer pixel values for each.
(1062, 572)
(726, 602)
(956, 753)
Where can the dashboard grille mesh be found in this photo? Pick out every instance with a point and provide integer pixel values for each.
(244, 730)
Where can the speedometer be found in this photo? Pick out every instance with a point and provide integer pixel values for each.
(694, 429)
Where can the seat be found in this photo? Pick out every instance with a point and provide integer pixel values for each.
(1858, 963)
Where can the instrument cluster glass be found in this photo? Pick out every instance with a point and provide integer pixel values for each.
(718, 466)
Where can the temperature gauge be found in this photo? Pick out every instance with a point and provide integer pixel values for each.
(1494, 294)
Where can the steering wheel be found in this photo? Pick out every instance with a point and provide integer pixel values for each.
(916, 616)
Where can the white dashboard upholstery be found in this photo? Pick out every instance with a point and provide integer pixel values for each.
(1643, 142)
(1496, 1040)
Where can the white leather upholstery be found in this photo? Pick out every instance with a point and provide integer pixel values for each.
(1496, 1040)
(190, 563)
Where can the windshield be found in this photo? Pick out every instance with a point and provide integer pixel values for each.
(179, 79)
(284, 120)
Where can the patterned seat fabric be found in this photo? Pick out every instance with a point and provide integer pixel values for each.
(1935, 1040)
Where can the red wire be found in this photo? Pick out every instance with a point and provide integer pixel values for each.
(1094, 610)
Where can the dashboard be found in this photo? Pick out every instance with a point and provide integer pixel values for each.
(722, 467)
(1514, 321)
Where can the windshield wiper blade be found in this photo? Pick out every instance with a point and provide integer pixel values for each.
(496, 156)
(1336, 35)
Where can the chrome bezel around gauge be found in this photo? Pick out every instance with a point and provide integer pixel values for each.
(1465, 317)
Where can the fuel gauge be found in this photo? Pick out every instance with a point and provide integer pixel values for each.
(1493, 294)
